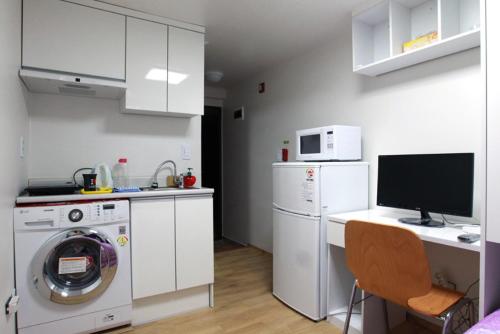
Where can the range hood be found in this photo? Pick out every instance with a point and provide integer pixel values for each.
(38, 81)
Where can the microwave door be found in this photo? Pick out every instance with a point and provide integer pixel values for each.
(310, 144)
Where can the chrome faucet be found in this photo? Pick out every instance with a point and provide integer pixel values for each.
(155, 176)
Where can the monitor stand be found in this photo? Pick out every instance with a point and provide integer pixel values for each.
(424, 220)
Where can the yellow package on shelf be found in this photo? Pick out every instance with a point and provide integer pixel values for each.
(420, 41)
(97, 192)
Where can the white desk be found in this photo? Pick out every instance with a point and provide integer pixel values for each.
(340, 280)
(444, 235)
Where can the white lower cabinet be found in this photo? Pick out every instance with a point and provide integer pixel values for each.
(194, 241)
(153, 247)
(172, 244)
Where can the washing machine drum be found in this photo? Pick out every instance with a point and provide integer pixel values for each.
(74, 266)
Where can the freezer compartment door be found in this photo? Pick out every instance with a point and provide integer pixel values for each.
(296, 189)
(296, 262)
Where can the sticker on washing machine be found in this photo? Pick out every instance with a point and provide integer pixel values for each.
(72, 265)
(122, 240)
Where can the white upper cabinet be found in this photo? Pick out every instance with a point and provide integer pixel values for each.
(147, 44)
(186, 68)
(380, 30)
(66, 37)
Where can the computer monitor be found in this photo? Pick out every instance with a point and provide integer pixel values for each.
(440, 183)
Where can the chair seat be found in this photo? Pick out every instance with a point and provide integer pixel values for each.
(436, 302)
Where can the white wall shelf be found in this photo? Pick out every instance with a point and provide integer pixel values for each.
(380, 30)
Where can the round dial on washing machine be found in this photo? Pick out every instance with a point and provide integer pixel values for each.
(75, 215)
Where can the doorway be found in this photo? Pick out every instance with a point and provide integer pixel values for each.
(211, 161)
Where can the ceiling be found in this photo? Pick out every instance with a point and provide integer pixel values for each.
(247, 36)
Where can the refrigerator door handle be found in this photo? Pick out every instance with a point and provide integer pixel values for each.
(295, 214)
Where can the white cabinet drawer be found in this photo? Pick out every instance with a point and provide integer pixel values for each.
(335, 233)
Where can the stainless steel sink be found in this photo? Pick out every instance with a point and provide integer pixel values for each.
(166, 188)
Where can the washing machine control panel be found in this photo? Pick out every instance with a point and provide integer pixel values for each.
(94, 213)
(71, 214)
(75, 215)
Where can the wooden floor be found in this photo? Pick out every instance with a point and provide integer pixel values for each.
(244, 303)
(224, 245)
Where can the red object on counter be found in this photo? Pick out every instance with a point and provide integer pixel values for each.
(284, 154)
(189, 179)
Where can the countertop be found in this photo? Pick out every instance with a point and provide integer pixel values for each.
(141, 194)
(445, 236)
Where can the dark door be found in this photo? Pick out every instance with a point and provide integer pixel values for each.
(211, 161)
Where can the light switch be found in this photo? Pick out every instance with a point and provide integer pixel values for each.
(186, 151)
(21, 147)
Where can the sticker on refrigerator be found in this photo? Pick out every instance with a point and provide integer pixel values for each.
(72, 265)
(310, 174)
(308, 190)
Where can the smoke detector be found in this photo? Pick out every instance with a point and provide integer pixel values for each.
(214, 76)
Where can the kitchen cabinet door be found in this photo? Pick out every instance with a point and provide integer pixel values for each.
(194, 241)
(67, 37)
(147, 44)
(153, 247)
(186, 72)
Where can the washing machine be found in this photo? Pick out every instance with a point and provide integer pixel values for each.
(73, 267)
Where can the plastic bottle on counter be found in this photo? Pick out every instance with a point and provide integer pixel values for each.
(120, 174)
(284, 151)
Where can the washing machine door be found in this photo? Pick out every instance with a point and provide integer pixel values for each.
(74, 266)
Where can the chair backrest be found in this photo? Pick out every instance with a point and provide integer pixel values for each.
(388, 261)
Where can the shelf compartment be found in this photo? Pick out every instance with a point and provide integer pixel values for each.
(371, 35)
(439, 49)
(411, 19)
(459, 16)
(456, 22)
(341, 281)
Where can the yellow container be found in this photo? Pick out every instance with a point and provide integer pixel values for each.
(420, 42)
(100, 191)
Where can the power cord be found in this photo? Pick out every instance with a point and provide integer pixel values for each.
(78, 171)
(470, 287)
(447, 222)
(356, 303)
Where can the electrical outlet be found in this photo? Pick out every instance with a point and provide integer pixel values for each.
(21, 147)
(186, 151)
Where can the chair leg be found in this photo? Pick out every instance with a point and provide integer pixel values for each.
(447, 322)
(386, 314)
(459, 309)
(349, 308)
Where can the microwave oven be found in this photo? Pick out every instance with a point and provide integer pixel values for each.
(334, 142)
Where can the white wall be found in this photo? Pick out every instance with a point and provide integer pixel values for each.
(71, 132)
(13, 124)
(431, 107)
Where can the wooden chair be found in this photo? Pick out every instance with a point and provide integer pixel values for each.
(390, 262)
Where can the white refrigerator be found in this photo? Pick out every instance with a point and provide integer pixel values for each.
(303, 195)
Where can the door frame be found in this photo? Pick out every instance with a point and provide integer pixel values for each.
(216, 102)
